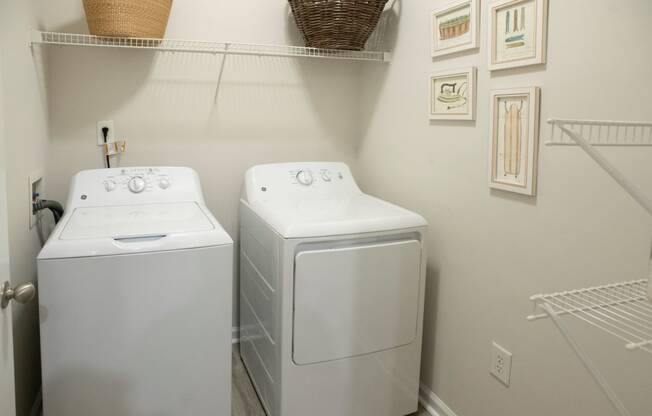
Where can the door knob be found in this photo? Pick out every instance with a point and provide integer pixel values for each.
(22, 293)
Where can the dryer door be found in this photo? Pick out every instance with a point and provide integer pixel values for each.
(356, 300)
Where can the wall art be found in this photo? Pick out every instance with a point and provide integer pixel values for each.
(452, 94)
(513, 156)
(517, 33)
(455, 27)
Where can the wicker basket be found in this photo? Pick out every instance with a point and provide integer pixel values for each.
(128, 18)
(337, 24)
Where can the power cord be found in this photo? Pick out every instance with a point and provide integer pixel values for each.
(105, 134)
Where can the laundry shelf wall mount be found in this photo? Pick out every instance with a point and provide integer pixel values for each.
(622, 309)
(224, 49)
(601, 133)
(201, 46)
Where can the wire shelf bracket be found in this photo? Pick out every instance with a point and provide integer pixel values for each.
(200, 46)
(601, 133)
(569, 128)
(622, 310)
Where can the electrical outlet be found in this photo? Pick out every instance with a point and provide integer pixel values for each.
(35, 186)
(501, 364)
(110, 137)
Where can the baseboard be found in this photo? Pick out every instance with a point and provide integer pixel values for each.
(38, 402)
(433, 404)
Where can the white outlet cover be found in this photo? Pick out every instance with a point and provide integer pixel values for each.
(100, 136)
(501, 364)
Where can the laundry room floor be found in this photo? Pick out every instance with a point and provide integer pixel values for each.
(244, 399)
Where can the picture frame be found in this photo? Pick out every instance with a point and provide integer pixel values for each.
(517, 33)
(514, 140)
(453, 94)
(455, 27)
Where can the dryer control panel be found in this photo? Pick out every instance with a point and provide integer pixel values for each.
(307, 177)
(137, 185)
(281, 180)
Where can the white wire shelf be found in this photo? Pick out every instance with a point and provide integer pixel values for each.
(198, 46)
(601, 133)
(622, 310)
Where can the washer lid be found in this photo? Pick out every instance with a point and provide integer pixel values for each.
(334, 215)
(133, 221)
(131, 229)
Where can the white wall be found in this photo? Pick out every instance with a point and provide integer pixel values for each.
(269, 109)
(490, 250)
(25, 133)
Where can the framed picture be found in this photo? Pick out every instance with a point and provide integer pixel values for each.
(452, 95)
(517, 33)
(455, 27)
(514, 146)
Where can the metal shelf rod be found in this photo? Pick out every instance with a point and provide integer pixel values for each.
(599, 122)
(587, 362)
(602, 133)
(606, 165)
(622, 310)
(207, 47)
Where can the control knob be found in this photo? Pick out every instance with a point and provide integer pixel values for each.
(109, 185)
(137, 184)
(304, 177)
(164, 183)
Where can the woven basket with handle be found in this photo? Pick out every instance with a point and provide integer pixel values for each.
(128, 18)
(337, 24)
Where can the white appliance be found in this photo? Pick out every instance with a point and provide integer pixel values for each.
(135, 299)
(332, 288)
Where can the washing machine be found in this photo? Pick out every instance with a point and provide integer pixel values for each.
(331, 294)
(135, 299)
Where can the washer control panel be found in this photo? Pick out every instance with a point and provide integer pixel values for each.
(137, 185)
(137, 180)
